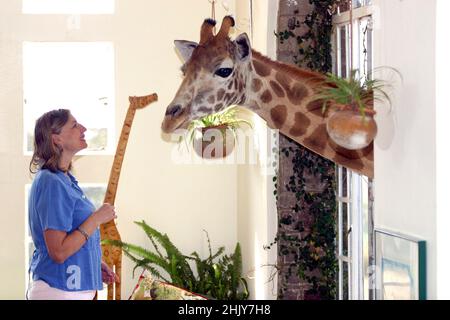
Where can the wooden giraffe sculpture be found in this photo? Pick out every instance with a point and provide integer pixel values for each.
(220, 72)
(112, 256)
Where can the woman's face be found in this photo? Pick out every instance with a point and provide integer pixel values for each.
(71, 138)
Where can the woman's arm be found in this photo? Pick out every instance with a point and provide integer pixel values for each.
(61, 245)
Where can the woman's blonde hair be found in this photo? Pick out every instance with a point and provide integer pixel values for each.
(46, 154)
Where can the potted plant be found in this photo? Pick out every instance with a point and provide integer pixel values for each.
(351, 123)
(214, 136)
(219, 276)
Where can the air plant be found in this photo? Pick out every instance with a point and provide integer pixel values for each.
(226, 118)
(357, 93)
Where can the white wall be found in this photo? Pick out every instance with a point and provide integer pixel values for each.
(442, 148)
(405, 149)
(180, 200)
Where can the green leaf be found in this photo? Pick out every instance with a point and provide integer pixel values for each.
(137, 250)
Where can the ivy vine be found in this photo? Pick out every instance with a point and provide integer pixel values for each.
(314, 46)
(313, 246)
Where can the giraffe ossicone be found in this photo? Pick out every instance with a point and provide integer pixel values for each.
(219, 72)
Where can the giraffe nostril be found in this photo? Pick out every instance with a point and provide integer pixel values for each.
(174, 111)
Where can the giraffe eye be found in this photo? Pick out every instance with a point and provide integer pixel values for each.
(224, 72)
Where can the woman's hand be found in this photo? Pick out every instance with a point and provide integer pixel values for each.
(108, 276)
(105, 213)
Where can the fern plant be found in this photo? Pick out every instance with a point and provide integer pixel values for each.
(218, 276)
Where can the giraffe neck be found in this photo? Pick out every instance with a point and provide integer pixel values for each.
(283, 96)
(114, 176)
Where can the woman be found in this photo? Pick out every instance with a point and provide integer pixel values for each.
(64, 224)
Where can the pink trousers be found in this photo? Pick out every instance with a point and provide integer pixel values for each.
(40, 290)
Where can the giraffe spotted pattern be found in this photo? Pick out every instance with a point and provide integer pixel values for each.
(301, 124)
(278, 116)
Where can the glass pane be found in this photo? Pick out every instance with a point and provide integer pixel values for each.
(68, 6)
(345, 291)
(342, 236)
(365, 39)
(72, 75)
(368, 44)
(344, 183)
(345, 227)
(344, 5)
(343, 52)
(361, 3)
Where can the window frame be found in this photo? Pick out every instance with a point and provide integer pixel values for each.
(356, 205)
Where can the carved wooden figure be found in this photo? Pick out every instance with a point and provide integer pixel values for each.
(112, 256)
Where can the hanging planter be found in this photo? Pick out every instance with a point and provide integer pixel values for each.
(214, 142)
(351, 130)
(351, 122)
(214, 136)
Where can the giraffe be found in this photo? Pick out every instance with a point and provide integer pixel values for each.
(219, 72)
(112, 256)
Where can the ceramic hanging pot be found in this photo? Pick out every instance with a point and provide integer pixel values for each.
(350, 130)
(214, 142)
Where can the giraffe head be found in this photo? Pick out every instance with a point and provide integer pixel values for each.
(215, 72)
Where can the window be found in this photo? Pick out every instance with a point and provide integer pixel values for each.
(68, 6)
(73, 75)
(355, 221)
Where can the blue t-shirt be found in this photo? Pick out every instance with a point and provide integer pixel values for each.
(56, 202)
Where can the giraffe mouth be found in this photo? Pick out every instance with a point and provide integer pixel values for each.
(169, 124)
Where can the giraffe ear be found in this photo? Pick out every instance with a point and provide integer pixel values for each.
(243, 47)
(185, 48)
